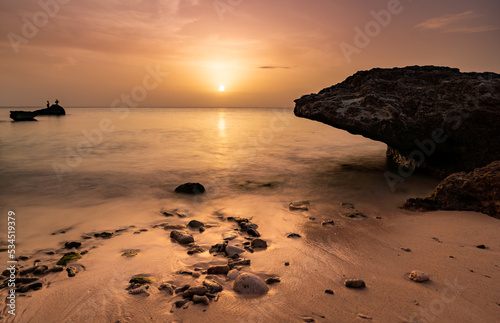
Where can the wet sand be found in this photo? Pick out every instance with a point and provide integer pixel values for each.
(463, 284)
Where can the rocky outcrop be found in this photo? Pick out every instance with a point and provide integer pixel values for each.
(478, 190)
(53, 110)
(435, 117)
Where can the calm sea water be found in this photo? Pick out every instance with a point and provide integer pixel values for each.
(96, 169)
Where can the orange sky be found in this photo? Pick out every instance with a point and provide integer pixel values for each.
(265, 53)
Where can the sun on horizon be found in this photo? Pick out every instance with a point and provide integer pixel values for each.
(222, 88)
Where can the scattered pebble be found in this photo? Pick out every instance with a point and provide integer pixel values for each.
(293, 235)
(200, 299)
(258, 244)
(481, 246)
(218, 270)
(250, 284)
(129, 253)
(329, 291)
(406, 249)
(437, 239)
(354, 283)
(71, 256)
(273, 280)
(195, 224)
(307, 319)
(363, 316)
(418, 276)
(104, 235)
(71, 271)
(141, 280)
(181, 237)
(348, 210)
(330, 222)
(302, 206)
(287, 263)
(212, 286)
(72, 244)
(253, 232)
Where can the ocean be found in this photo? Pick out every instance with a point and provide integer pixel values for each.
(92, 170)
(55, 170)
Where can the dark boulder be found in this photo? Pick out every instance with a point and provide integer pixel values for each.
(190, 188)
(433, 117)
(478, 191)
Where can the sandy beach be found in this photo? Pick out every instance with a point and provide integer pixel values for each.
(463, 283)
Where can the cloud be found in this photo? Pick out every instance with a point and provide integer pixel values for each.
(443, 21)
(470, 30)
(273, 67)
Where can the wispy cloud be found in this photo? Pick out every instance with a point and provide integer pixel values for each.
(446, 23)
(470, 30)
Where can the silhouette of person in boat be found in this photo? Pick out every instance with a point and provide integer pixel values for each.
(48, 104)
(57, 102)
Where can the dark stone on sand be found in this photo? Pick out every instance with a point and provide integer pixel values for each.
(200, 300)
(212, 286)
(238, 262)
(330, 222)
(250, 284)
(196, 290)
(181, 237)
(141, 280)
(71, 271)
(218, 270)
(182, 289)
(26, 280)
(104, 235)
(450, 118)
(72, 244)
(478, 191)
(40, 270)
(293, 235)
(54, 269)
(26, 288)
(354, 283)
(287, 263)
(481, 246)
(219, 247)
(195, 249)
(273, 280)
(180, 303)
(190, 188)
(258, 244)
(28, 271)
(253, 233)
(195, 224)
(301, 206)
(329, 291)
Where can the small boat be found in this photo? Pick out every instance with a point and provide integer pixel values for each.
(22, 115)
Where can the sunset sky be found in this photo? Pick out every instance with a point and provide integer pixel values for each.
(261, 53)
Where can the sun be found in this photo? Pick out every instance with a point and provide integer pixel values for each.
(222, 88)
